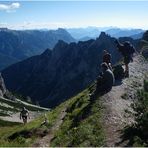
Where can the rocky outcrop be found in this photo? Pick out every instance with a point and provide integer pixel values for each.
(144, 45)
(2, 86)
(145, 36)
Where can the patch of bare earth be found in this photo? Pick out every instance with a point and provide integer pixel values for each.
(117, 106)
(45, 141)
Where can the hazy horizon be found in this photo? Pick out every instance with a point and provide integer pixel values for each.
(87, 27)
(73, 14)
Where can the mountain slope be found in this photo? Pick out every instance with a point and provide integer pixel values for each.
(118, 103)
(144, 45)
(123, 32)
(6, 61)
(56, 75)
(84, 122)
(68, 113)
(51, 76)
(92, 32)
(80, 33)
(22, 44)
(10, 105)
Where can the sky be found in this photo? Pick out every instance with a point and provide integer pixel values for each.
(73, 14)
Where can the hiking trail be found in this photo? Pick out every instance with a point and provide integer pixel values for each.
(15, 117)
(45, 141)
(116, 115)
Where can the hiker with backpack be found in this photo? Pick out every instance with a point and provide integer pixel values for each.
(24, 114)
(107, 58)
(127, 50)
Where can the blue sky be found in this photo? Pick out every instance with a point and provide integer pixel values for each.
(54, 14)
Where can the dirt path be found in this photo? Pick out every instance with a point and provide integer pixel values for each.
(16, 117)
(115, 116)
(45, 141)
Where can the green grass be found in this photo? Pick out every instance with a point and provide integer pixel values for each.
(8, 123)
(137, 133)
(82, 125)
(33, 129)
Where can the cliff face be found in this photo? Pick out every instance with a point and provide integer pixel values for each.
(2, 86)
(56, 75)
(144, 45)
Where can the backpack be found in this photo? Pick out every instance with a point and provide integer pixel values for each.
(130, 48)
(24, 112)
(118, 71)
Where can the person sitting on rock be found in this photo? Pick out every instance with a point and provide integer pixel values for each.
(104, 83)
(107, 58)
(24, 114)
(127, 51)
(106, 80)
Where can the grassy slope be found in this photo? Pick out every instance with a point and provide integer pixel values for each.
(81, 125)
(23, 135)
(137, 133)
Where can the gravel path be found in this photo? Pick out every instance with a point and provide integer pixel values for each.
(115, 117)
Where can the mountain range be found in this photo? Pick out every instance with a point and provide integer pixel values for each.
(16, 45)
(58, 74)
(84, 34)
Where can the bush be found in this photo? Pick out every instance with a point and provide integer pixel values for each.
(140, 128)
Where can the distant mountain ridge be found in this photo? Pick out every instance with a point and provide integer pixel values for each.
(19, 45)
(92, 32)
(56, 75)
(123, 32)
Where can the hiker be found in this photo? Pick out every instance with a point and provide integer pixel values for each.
(24, 114)
(107, 58)
(127, 50)
(106, 80)
(104, 83)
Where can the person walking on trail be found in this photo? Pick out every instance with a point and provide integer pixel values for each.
(127, 50)
(107, 58)
(24, 114)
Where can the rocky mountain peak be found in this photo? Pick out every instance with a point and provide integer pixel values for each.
(61, 45)
(103, 35)
(61, 30)
(70, 69)
(47, 52)
(145, 36)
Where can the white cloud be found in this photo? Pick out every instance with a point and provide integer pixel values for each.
(9, 7)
